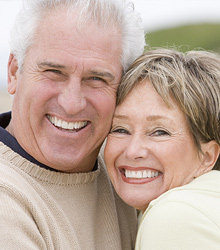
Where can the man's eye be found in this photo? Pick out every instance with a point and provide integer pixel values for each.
(96, 78)
(53, 71)
(55, 75)
(95, 82)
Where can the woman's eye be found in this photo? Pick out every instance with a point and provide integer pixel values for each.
(160, 132)
(120, 131)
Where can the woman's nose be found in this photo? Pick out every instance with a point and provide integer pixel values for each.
(137, 148)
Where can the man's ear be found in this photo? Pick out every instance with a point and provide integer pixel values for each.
(12, 74)
(210, 155)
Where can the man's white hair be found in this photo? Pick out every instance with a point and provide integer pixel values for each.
(118, 13)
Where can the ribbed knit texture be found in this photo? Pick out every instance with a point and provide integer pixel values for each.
(42, 209)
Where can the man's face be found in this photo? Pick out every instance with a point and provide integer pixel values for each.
(65, 94)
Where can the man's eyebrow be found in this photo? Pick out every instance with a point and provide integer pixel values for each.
(51, 65)
(104, 74)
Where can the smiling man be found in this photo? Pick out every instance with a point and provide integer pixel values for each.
(66, 62)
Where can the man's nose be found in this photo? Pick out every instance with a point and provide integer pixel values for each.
(72, 97)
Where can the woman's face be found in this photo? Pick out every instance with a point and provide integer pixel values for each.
(150, 148)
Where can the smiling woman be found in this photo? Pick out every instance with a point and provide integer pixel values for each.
(151, 141)
(164, 145)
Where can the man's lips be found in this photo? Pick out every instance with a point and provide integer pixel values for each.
(68, 126)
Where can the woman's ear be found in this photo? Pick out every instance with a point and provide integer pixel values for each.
(12, 74)
(210, 155)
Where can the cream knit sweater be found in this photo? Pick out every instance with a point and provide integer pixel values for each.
(184, 218)
(45, 210)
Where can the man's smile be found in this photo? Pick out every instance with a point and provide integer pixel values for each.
(64, 125)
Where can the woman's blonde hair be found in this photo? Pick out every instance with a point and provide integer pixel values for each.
(192, 79)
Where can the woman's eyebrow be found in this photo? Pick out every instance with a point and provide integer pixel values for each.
(156, 117)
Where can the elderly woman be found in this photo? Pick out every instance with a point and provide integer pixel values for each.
(162, 153)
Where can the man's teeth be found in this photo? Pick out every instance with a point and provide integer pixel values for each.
(66, 125)
(141, 174)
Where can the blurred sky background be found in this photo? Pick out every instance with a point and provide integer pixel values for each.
(156, 14)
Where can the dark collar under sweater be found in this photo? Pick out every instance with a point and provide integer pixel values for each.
(12, 143)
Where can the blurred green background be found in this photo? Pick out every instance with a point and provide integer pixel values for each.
(201, 36)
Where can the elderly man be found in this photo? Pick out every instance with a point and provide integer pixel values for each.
(67, 58)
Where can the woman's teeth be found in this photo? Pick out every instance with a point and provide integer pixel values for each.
(140, 174)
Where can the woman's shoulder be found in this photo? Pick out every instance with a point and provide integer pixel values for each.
(179, 218)
(175, 224)
(203, 192)
(205, 187)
